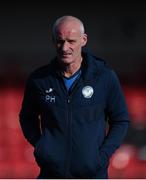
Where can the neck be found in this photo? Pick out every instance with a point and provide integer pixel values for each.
(69, 69)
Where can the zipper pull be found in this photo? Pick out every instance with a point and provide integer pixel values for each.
(68, 101)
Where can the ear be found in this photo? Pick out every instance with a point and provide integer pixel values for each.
(84, 39)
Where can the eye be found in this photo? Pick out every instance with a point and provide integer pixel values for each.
(71, 41)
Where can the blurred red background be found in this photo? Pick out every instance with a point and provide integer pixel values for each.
(16, 154)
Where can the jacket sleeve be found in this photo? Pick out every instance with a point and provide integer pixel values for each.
(118, 120)
(29, 114)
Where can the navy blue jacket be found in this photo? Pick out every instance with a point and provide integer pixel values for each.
(69, 129)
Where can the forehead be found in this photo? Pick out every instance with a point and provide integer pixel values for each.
(69, 28)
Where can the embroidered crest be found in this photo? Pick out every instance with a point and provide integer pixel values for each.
(87, 91)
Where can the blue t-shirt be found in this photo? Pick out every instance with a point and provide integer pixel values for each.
(69, 81)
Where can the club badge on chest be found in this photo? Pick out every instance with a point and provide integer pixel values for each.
(87, 91)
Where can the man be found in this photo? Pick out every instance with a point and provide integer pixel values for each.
(67, 105)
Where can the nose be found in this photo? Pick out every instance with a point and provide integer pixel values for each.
(65, 46)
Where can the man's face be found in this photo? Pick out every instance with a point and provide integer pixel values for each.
(68, 42)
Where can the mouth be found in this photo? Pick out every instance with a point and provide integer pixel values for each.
(66, 55)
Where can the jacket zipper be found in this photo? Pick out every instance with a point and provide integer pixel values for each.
(68, 139)
(68, 133)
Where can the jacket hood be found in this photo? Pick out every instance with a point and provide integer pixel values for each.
(92, 66)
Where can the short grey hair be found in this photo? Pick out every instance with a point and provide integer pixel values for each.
(65, 18)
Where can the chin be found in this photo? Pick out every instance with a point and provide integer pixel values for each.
(66, 60)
